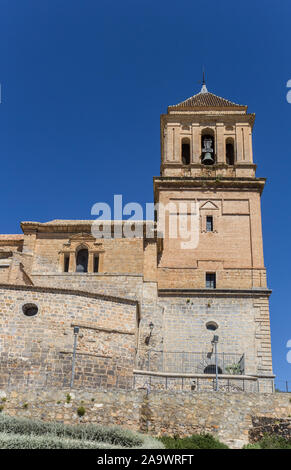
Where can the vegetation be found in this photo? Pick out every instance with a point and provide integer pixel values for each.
(233, 369)
(23, 433)
(81, 411)
(270, 441)
(196, 441)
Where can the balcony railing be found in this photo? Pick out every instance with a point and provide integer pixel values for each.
(182, 362)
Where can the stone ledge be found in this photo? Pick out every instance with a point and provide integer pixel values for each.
(202, 376)
(101, 328)
(80, 293)
(87, 354)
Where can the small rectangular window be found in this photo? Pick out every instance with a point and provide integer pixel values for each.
(209, 223)
(66, 263)
(210, 280)
(96, 264)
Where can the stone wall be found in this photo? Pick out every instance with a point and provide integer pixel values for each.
(180, 326)
(129, 286)
(229, 416)
(265, 425)
(38, 349)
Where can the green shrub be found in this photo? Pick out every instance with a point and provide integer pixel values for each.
(68, 398)
(25, 406)
(1, 408)
(196, 441)
(270, 441)
(81, 411)
(49, 441)
(112, 435)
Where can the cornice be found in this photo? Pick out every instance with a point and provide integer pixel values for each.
(206, 117)
(169, 182)
(257, 292)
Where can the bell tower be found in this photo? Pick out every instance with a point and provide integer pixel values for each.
(207, 164)
(207, 135)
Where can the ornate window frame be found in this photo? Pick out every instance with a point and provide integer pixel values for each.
(74, 244)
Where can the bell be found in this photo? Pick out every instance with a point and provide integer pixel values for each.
(207, 159)
(80, 268)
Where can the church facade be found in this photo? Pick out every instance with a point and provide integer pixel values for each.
(151, 308)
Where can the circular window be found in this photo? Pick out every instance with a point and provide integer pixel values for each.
(211, 326)
(30, 310)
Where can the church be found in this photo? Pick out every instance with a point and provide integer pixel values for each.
(150, 310)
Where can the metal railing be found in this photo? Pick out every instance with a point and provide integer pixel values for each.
(182, 362)
(283, 386)
(196, 384)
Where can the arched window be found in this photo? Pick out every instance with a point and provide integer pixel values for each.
(229, 151)
(207, 147)
(82, 261)
(212, 370)
(185, 151)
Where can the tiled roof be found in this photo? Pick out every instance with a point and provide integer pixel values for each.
(12, 237)
(209, 100)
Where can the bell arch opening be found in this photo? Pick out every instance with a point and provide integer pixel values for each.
(207, 147)
(82, 260)
(185, 151)
(229, 151)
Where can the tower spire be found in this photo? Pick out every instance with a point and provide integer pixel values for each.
(203, 89)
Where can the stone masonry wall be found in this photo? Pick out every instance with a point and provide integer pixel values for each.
(38, 349)
(129, 286)
(229, 416)
(180, 326)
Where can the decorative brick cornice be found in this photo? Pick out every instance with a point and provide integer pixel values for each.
(176, 182)
(214, 292)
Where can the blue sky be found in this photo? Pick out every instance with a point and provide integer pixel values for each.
(84, 83)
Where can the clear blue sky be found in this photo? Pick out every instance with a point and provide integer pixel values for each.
(84, 83)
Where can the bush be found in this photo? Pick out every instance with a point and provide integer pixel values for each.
(47, 441)
(81, 411)
(196, 441)
(111, 435)
(270, 441)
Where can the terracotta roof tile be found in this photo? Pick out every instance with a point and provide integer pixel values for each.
(208, 100)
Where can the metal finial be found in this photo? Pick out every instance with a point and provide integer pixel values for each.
(203, 89)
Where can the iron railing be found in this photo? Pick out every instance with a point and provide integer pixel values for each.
(282, 385)
(182, 362)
